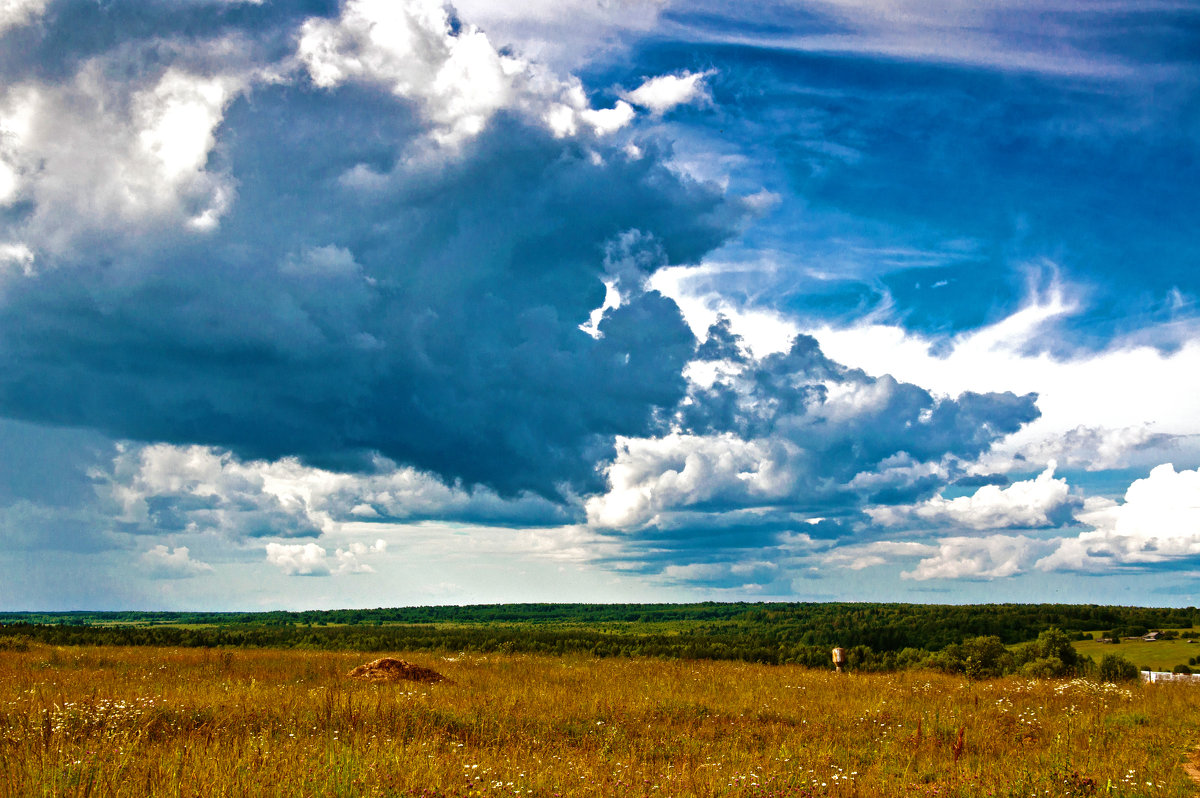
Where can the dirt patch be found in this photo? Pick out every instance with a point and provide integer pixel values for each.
(395, 670)
(1190, 766)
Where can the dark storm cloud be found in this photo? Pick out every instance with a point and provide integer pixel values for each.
(979, 480)
(50, 466)
(358, 295)
(851, 421)
(285, 240)
(48, 497)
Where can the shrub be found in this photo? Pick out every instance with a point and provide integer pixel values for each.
(976, 658)
(1181, 669)
(1050, 655)
(1043, 668)
(1115, 668)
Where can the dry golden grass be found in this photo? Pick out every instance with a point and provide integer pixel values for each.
(133, 722)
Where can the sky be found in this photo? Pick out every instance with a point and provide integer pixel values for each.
(375, 303)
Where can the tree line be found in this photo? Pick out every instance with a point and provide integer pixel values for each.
(976, 640)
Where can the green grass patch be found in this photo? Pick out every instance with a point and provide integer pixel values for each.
(1159, 655)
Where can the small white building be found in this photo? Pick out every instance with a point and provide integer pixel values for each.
(1167, 676)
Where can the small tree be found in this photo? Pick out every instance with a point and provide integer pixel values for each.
(1115, 668)
(976, 658)
(985, 657)
(1051, 655)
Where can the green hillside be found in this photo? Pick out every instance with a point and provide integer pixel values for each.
(1159, 655)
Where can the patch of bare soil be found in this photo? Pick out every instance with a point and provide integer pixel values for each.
(1191, 766)
(388, 669)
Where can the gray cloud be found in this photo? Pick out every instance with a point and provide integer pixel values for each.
(315, 280)
(163, 488)
(799, 432)
(791, 447)
(48, 498)
(50, 466)
(304, 276)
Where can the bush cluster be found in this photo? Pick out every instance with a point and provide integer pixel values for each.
(1051, 655)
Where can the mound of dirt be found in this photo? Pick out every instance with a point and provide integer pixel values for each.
(395, 670)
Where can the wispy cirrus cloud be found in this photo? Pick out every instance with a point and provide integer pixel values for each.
(1061, 39)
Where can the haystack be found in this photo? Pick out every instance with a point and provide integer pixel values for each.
(395, 670)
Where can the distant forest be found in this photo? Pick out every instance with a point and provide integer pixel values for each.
(878, 636)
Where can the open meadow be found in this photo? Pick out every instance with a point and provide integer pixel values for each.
(1159, 655)
(112, 721)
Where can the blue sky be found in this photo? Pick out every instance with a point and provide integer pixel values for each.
(367, 303)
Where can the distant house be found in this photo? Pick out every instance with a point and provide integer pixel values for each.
(1152, 636)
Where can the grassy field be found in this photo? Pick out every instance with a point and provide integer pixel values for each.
(96, 721)
(1160, 655)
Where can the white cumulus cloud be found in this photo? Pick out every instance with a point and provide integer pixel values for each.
(1158, 521)
(992, 557)
(161, 562)
(662, 93)
(1090, 416)
(211, 490)
(311, 559)
(349, 559)
(95, 156)
(14, 13)
(608, 120)
(1037, 502)
(299, 559)
(459, 80)
(455, 75)
(880, 552)
(16, 258)
(652, 477)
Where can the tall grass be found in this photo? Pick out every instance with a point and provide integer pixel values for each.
(95, 721)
